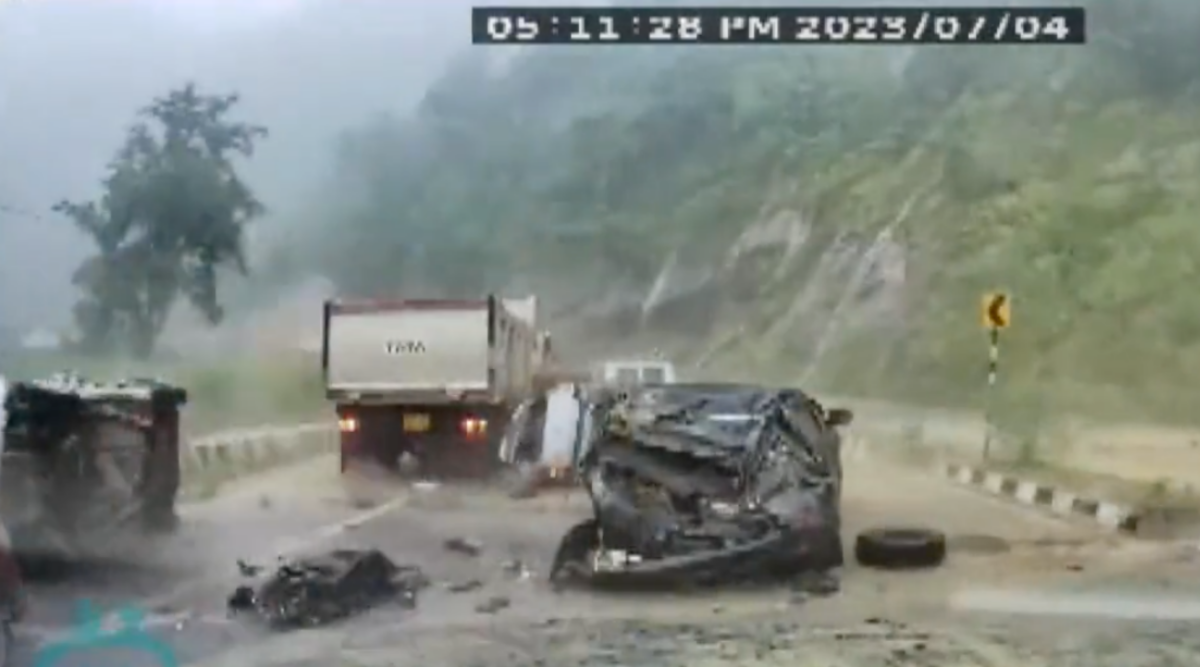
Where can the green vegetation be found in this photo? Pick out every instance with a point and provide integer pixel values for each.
(1069, 176)
(172, 214)
(237, 393)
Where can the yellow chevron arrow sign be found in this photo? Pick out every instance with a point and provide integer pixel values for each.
(996, 310)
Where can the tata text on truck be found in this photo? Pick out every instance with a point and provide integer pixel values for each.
(433, 379)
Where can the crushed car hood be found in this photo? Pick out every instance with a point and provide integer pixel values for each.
(706, 480)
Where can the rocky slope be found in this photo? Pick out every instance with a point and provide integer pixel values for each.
(831, 216)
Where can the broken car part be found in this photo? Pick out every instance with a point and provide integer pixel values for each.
(313, 591)
(900, 548)
(706, 484)
(464, 546)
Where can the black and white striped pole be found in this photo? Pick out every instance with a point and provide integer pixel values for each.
(997, 314)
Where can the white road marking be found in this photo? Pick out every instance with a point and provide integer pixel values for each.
(1095, 605)
(290, 546)
(1029, 512)
(284, 548)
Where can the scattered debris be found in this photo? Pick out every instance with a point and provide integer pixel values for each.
(493, 605)
(464, 546)
(248, 570)
(314, 591)
(241, 599)
(517, 570)
(465, 586)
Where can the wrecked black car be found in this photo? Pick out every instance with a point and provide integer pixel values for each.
(321, 589)
(83, 460)
(705, 484)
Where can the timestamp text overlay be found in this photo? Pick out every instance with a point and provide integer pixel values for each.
(779, 25)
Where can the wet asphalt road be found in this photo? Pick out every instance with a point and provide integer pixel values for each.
(540, 627)
(250, 520)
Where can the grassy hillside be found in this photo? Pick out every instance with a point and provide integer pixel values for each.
(879, 192)
(240, 392)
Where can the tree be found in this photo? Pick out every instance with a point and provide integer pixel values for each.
(172, 213)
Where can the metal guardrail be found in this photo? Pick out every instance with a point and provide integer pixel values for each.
(229, 454)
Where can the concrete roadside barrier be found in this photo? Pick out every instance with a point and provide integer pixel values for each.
(214, 459)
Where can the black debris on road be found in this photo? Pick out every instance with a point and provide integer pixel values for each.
(464, 546)
(247, 569)
(465, 586)
(318, 590)
(493, 605)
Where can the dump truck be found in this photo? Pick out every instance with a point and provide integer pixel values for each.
(428, 384)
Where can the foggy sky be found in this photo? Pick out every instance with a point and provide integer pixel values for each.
(73, 73)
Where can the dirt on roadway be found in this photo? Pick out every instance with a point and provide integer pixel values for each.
(878, 618)
(257, 517)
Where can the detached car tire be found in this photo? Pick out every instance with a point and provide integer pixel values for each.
(900, 548)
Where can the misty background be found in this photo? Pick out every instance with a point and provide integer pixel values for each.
(827, 216)
(73, 73)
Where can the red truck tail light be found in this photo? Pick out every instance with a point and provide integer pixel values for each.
(348, 432)
(474, 427)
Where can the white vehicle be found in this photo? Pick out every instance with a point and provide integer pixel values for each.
(433, 379)
(635, 372)
(543, 435)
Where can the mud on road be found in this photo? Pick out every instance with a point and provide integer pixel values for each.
(494, 608)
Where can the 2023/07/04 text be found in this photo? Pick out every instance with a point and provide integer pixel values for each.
(779, 25)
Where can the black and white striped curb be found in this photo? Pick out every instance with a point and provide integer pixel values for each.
(231, 454)
(1113, 516)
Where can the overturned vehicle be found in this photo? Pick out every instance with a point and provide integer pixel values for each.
(82, 462)
(705, 484)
